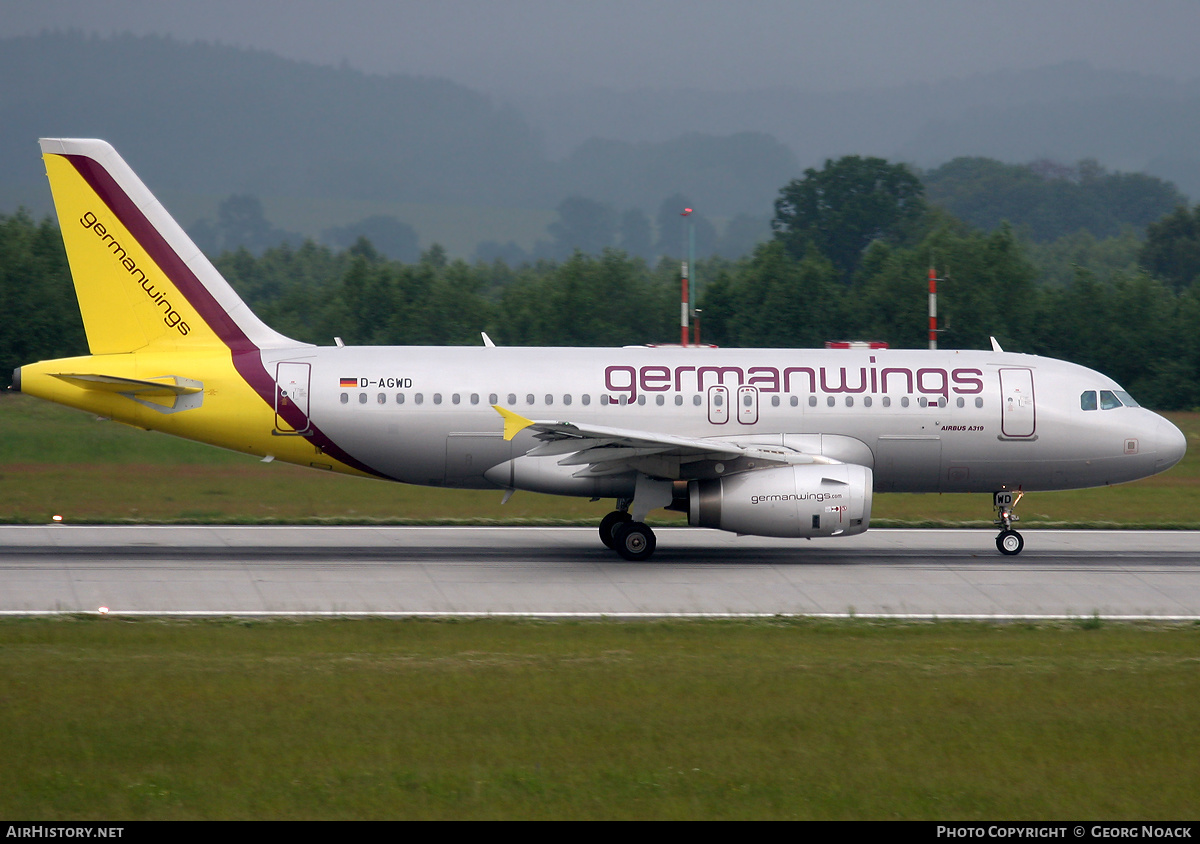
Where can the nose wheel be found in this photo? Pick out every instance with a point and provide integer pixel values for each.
(1008, 542)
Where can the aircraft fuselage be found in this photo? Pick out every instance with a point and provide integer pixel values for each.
(943, 421)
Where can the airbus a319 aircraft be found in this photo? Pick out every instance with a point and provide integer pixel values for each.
(772, 442)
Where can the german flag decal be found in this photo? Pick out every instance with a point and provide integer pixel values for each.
(349, 382)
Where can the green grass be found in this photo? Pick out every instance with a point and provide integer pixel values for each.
(131, 720)
(54, 460)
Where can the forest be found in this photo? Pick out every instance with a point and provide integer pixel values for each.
(848, 257)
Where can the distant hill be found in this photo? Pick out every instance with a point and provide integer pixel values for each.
(327, 149)
(1067, 112)
(199, 118)
(1046, 200)
(216, 119)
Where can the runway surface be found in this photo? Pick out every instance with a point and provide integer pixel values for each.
(415, 571)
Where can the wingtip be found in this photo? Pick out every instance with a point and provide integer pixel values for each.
(514, 423)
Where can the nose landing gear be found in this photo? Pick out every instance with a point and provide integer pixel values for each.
(1008, 542)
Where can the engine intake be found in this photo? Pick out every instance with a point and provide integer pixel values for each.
(791, 501)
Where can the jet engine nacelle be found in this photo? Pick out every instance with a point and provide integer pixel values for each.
(791, 501)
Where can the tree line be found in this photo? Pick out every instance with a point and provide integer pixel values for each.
(849, 258)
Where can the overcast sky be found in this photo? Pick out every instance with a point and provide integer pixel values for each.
(531, 46)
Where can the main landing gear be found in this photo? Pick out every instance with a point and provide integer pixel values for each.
(1008, 542)
(632, 540)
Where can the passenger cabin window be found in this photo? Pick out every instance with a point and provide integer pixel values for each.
(1087, 400)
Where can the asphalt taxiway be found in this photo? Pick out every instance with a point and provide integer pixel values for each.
(415, 571)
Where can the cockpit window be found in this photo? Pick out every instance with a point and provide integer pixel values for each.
(1108, 399)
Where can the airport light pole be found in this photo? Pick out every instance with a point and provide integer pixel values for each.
(933, 329)
(688, 265)
(685, 301)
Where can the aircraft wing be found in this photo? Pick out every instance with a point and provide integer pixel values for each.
(601, 450)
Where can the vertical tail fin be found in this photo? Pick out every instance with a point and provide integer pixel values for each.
(141, 282)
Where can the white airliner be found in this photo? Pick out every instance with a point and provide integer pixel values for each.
(773, 442)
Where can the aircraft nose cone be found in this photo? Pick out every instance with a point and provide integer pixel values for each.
(1170, 446)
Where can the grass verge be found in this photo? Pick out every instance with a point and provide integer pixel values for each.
(795, 719)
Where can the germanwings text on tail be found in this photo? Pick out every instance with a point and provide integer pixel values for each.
(772, 442)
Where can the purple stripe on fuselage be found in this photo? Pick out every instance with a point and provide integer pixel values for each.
(247, 357)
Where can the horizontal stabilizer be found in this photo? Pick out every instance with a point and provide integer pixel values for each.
(165, 387)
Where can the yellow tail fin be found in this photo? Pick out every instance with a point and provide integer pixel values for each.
(141, 282)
